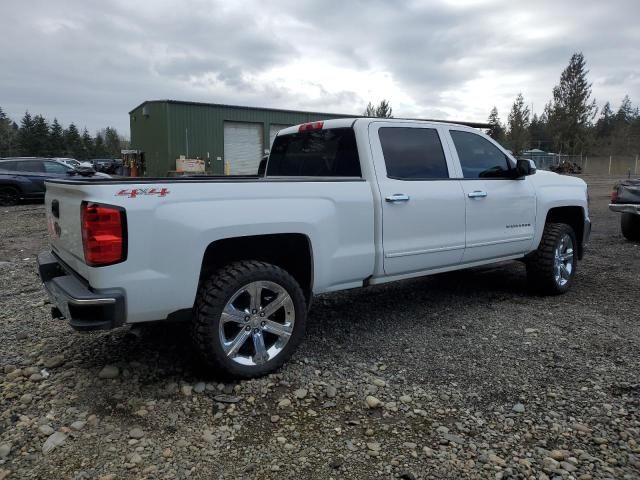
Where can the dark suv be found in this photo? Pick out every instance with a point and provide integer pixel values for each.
(106, 165)
(23, 178)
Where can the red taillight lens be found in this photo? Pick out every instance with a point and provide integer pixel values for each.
(310, 126)
(103, 234)
(614, 196)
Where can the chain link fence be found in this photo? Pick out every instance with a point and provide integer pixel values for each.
(613, 165)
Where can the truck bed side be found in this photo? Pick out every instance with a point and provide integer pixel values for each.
(170, 224)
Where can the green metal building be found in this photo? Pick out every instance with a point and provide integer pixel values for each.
(230, 139)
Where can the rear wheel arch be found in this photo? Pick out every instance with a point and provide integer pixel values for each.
(292, 252)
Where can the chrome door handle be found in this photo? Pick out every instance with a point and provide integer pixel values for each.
(477, 194)
(397, 197)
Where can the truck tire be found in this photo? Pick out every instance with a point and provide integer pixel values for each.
(250, 317)
(630, 225)
(552, 267)
(9, 196)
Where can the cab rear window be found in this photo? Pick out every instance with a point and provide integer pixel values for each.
(315, 153)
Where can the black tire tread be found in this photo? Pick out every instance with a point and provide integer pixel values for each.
(541, 262)
(630, 226)
(213, 295)
(16, 193)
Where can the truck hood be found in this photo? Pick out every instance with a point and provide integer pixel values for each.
(545, 177)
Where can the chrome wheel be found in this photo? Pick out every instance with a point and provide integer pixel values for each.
(256, 323)
(563, 260)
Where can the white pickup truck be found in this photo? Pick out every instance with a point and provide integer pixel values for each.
(343, 204)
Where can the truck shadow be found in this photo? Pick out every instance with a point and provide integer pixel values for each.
(166, 349)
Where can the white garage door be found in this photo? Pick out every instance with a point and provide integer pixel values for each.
(242, 147)
(273, 130)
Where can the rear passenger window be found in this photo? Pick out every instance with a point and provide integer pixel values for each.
(413, 153)
(34, 166)
(7, 166)
(54, 167)
(315, 153)
(479, 157)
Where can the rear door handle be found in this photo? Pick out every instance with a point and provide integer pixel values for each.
(477, 194)
(397, 197)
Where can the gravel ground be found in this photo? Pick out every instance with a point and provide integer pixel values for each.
(463, 375)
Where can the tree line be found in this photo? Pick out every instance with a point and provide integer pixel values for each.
(569, 123)
(36, 137)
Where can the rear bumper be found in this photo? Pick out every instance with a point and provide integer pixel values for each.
(625, 208)
(84, 307)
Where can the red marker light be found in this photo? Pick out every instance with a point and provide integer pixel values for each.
(311, 126)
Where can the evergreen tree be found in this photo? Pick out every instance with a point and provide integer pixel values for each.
(621, 135)
(40, 142)
(370, 111)
(56, 139)
(72, 142)
(383, 110)
(626, 112)
(538, 135)
(8, 136)
(87, 145)
(112, 142)
(573, 111)
(495, 130)
(99, 149)
(518, 124)
(25, 135)
(604, 125)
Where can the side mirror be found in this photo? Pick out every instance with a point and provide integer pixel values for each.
(525, 167)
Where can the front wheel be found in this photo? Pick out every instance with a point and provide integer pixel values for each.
(552, 267)
(250, 317)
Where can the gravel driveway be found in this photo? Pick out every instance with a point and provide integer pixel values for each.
(463, 375)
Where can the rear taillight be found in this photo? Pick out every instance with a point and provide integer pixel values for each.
(614, 196)
(310, 126)
(103, 234)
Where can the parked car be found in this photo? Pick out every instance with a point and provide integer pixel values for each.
(72, 162)
(344, 203)
(106, 165)
(23, 178)
(83, 168)
(625, 199)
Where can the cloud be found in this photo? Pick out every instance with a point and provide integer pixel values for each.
(91, 62)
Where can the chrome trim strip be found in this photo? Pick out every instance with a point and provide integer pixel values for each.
(421, 252)
(92, 301)
(625, 207)
(497, 242)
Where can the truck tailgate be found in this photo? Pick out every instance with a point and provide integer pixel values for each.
(62, 206)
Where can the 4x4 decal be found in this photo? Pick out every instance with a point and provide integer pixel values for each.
(135, 192)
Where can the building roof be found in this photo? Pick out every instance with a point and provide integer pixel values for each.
(244, 107)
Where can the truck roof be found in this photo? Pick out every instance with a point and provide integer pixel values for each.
(349, 122)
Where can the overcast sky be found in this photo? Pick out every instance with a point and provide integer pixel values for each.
(91, 62)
